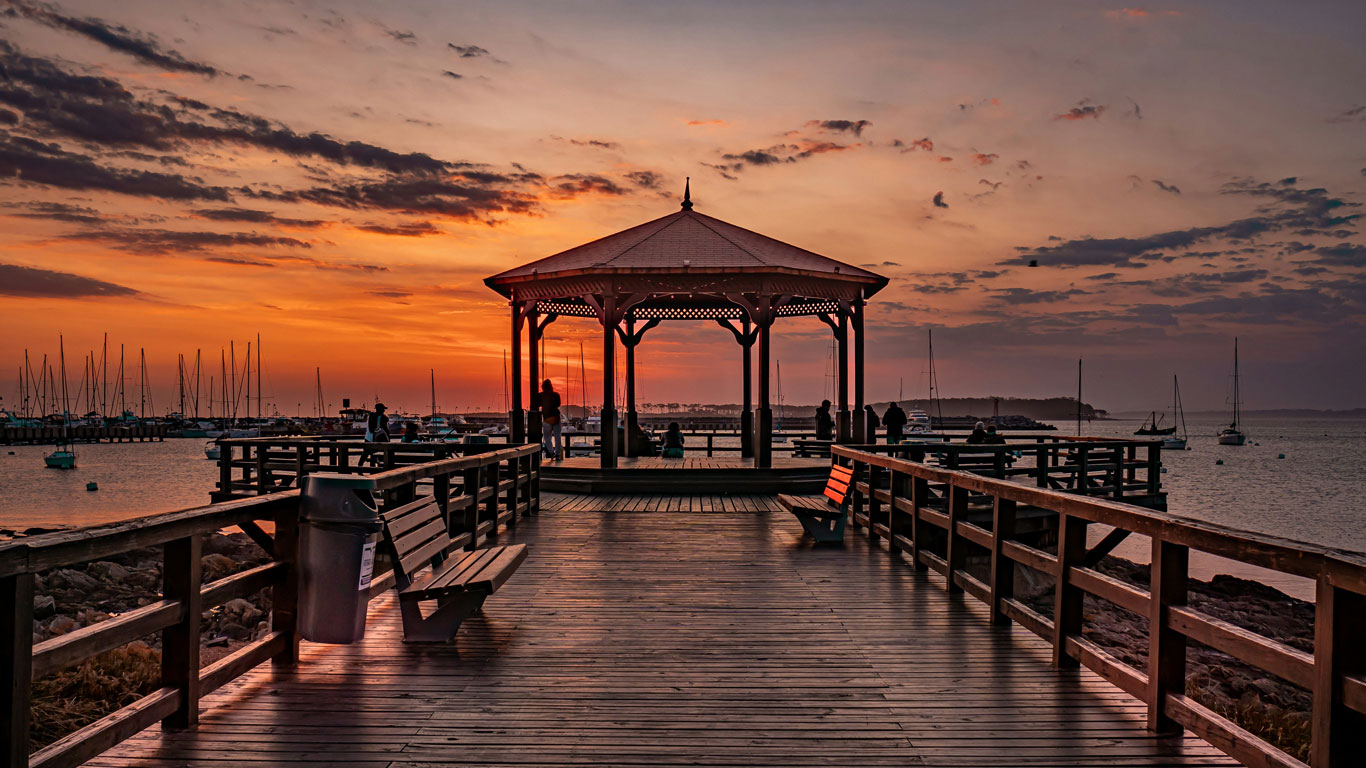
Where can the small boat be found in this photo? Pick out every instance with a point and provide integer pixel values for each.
(1233, 434)
(1172, 441)
(212, 450)
(62, 458)
(1150, 426)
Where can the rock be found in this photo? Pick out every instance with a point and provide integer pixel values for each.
(44, 606)
(65, 578)
(107, 570)
(252, 614)
(235, 631)
(216, 566)
(62, 625)
(217, 544)
(217, 642)
(238, 607)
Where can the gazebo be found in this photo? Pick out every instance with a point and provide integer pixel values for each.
(686, 266)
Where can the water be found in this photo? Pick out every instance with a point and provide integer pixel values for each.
(1312, 495)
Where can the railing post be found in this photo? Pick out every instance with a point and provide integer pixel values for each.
(471, 489)
(1041, 464)
(1155, 468)
(1166, 646)
(857, 507)
(1338, 733)
(491, 470)
(513, 488)
(225, 469)
(1118, 479)
(920, 492)
(284, 597)
(1002, 567)
(954, 555)
(874, 506)
(1067, 599)
(896, 488)
(1083, 470)
(710, 435)
(533, 465)
(181, 579)
(300, 465)
(262, 453)
(16, 667)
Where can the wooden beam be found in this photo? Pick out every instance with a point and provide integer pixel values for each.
(16, 667)
(1166, 646)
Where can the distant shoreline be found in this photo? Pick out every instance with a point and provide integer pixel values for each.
(1271, 413)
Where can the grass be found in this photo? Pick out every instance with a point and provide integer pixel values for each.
(1286, 730)
(73, 698)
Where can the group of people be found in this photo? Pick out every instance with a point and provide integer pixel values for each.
(377, 427)
(894, 420)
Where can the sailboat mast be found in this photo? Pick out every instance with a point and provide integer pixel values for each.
(433, 372)
(258, 378)
(66, 416)
(104, 365)
(1079, 397)
(180, 381)
(142, 382)
(507, 404)
(198, 372)
(583, 384)
(1237, 418)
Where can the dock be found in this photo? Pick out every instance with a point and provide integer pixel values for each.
(50, 435)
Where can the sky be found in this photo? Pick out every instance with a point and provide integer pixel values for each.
(340, 177)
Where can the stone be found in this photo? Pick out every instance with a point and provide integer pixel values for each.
(216, 566)
(217, 642)
(107, 570)
(65, 578)
(235, 631)
(62, 625)
(44, 606)
(238, 607)
(217, 544)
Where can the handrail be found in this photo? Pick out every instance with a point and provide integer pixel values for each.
(924, 511)
(477, 493)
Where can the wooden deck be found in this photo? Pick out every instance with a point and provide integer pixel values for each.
(689, 462)
(696, 474)
(679, 638)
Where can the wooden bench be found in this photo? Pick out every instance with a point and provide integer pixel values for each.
(823, 517)
(416, 538)
(817, 448)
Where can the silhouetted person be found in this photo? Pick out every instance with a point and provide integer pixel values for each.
(992, 438)
(550, 414)
(410, 434)
(895, 420)
(870, 417)
(377, 425)
(825, 426)
(979, 434)
(673, 442)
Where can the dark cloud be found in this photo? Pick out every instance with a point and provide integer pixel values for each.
(1029, 296)
(412, 229)
(403, 36)
(391, 294)
(1290, 208)
(238, 262)
(983, 158)
(1355, 114)
(144, 48)
(255, 217)
(8, 118)
(1342, 255)
(596, 143)
(781, 153)
(75, 214)
(1084, 110)
(924, 145)
(939, 200)
(452, 75)
(646, 179)
(24, 160)
(575, 184)
(723, 169)
(1137, 111)
(1172, 188)
(31, 282)
(840, 126)
(467, 51)
(159, 242)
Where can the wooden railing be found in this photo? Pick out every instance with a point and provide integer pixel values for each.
(254, 466)
(940, 518)
(478, 493)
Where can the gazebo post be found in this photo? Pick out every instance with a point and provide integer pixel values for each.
(747, 410)
(630, 383)
(533, 430)
(860, 415)
(609, 408)
(763, 450)
(516, 427)
(842, 433)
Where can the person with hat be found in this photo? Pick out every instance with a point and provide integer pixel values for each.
(377, 426)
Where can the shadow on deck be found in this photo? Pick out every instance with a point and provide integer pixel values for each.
(674, 638)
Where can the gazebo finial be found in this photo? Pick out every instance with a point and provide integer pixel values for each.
(687, 193)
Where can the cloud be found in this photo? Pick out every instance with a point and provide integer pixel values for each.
(984, 158)
(402, 36)
(646, 179)
(707, 123)
(938, 200)
(144, 48)
(1029, 296)
(921, 144)
(24, 160)
(1302, 211)
(723, 169)
(1137, 111)
(576, 184)
(1172, 188)
(1084, 110)
(32, 282)
(412, 229)
(255, 217)
(1342, 255)
(468, 51)
(781, 153)
(160, 242)
(840, 126)
(8, 118)
(1355, 114)
(452, 75)
(596, 143)
(75, 214)
(238, 262)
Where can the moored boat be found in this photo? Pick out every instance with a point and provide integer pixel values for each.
(1233, 433)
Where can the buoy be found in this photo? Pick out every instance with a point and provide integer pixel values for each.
(1220, 461)
(1280, 455)
(11, 453)
(1164, 470)
(92, 486)
(1256, 443)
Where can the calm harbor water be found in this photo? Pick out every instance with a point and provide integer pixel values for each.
(1312, 495)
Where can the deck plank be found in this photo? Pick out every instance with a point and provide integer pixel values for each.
(650, 637)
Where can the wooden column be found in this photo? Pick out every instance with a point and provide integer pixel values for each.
(284, 597)
(16, 667)
(763, 449)
(843, 426)
(181, 576)
(747, 397)
(609, 406)
(1002, 567)
(1338, 732)
(533, 334)
(860, 418)
(1166, 646)
(1067, 598)
(630, 382)
(516, 424)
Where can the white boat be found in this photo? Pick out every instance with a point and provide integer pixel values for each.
(1233, 434)
(64, 457)
(212, 450)
(1172, 441)
(917, 422)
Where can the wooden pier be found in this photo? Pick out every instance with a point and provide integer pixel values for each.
(704, 630)
(132, 433)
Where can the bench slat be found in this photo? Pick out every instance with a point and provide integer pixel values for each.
(492, 575)
(406, 545)
(414, 518)
(458, 573)
(420, 558)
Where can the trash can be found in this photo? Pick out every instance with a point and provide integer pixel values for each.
(338, 531)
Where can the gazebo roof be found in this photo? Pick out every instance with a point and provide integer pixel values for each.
(686, 243)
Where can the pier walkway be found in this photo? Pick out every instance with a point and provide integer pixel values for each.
(702, 636)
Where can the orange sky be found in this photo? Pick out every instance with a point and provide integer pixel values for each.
(317, 173)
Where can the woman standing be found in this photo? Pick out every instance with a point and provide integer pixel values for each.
(550, 414)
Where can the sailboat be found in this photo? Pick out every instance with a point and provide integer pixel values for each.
(64, 457)
(778, 436)
(1150, 426)
(1172, 441)
(1233, 435)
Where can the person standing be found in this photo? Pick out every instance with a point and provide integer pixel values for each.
(825, 426)
(870, 437)
(377, 425)
(895, 421)
(550, 414)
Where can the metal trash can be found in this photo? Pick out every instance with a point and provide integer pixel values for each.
(338, 531)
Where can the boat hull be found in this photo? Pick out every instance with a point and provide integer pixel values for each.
(1232, 438)
(60, 460)
(1176, 443)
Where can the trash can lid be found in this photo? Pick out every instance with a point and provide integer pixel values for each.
(342, 480)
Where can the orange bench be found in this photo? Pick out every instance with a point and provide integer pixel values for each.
(823, 517)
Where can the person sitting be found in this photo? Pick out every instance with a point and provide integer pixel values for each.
(825, 426)
(895, 420)
(979, 434)
(673, 442)
(410, 434)
(992, 438)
